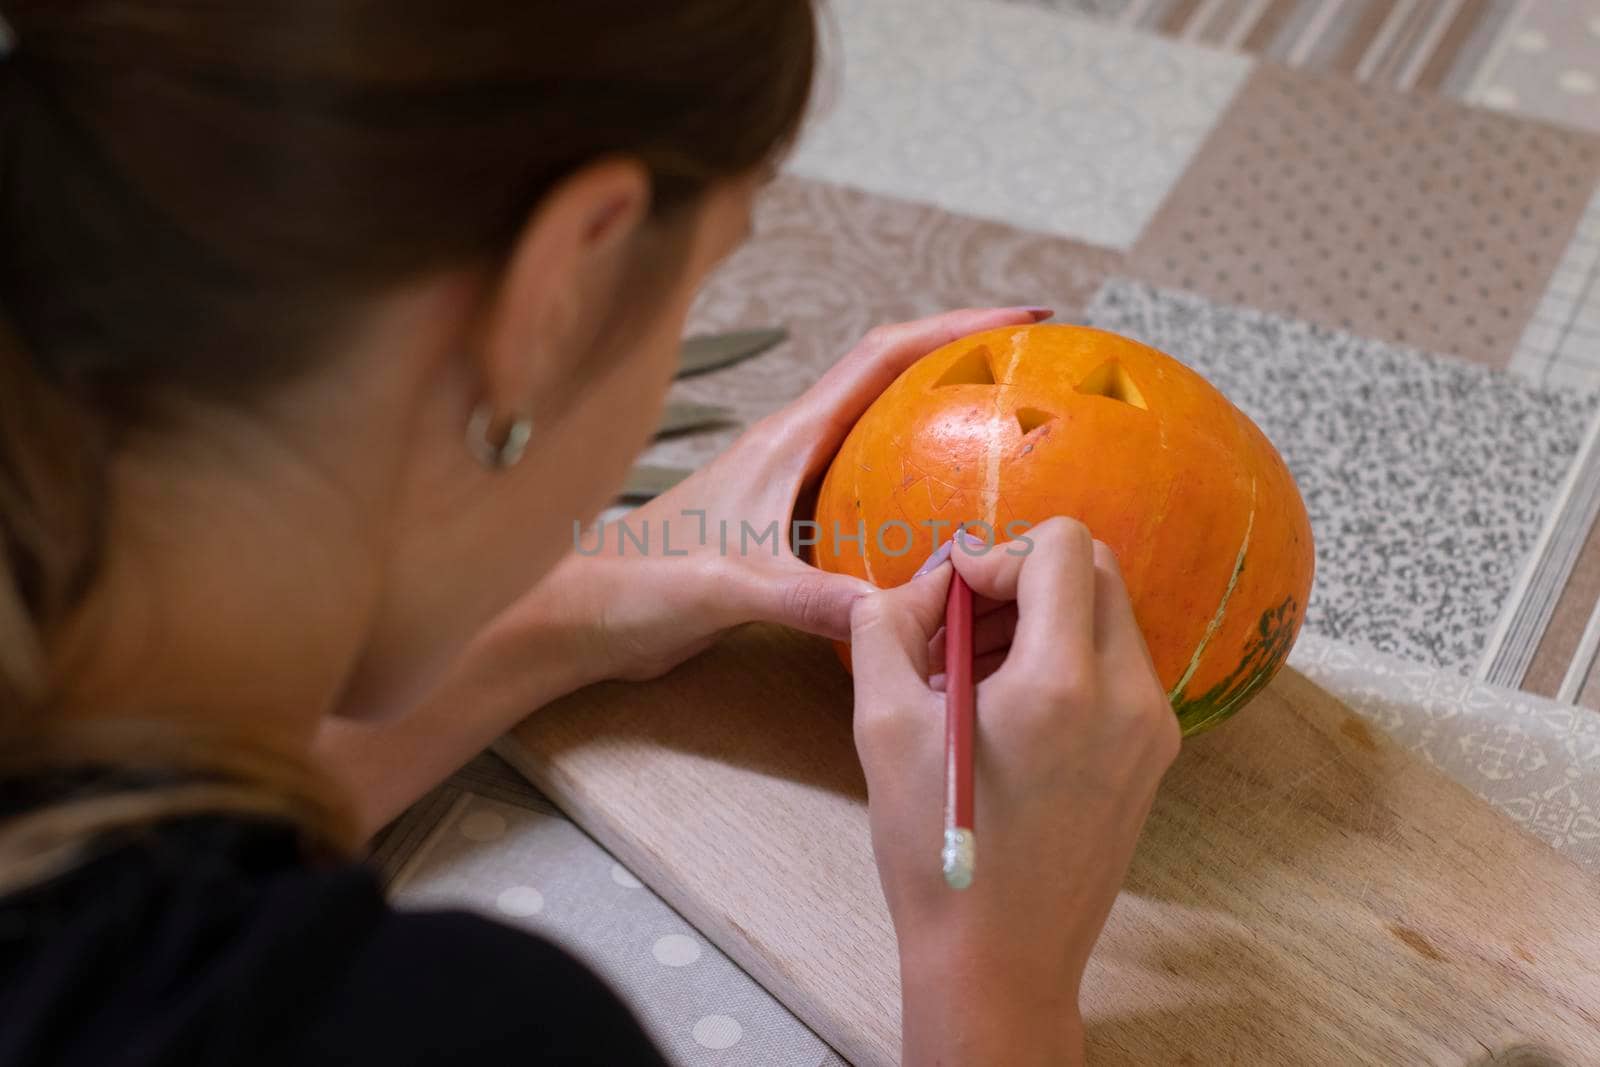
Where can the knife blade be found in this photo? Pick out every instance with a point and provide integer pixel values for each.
(713, 351)
(646, 481)
(682, 418)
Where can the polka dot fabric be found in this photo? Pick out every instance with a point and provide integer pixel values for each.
(1404, 218)
(1549, 65)
(535, 870)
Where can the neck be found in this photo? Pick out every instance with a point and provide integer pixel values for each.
(246, 551)
(233, 603)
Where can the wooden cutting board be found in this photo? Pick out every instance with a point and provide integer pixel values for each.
(1305, 892)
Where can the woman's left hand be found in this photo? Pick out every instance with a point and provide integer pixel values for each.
(648, 611)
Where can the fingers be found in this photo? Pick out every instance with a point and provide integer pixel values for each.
(1116, 629)
(805, 598)
(982, 605)
(827, 410)
(890, 630)
(1134, 687)
(773, 461)
(982, 666)
(993, 625)
(894, 724)
(1051, 575)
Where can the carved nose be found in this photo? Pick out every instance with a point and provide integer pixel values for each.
(1030, 419)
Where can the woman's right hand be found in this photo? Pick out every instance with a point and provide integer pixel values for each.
(1073, 735)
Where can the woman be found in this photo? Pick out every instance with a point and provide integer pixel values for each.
(323, 325)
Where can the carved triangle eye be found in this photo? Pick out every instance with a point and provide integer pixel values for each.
(1030, 419)
(1112, 380)
(973, 368)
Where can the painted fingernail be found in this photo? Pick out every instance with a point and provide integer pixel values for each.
(971, 543)
(1039, 313)
(940, 555)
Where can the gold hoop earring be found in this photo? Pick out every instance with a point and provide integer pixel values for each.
(508, 451)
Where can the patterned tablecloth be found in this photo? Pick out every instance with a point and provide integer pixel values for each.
(1375, 224)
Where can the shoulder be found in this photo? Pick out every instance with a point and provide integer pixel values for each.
(209, 944)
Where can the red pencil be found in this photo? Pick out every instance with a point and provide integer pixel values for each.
(958, 855)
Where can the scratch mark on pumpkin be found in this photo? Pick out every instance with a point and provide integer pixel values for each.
(866, 557)
(1222, 609)
(991, 471)
(990, 496)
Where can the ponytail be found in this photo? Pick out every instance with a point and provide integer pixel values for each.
(21, 655)
(51, 475)
(52, 489)
(54, 455)
(52, 492)
(50, 467)
(22, 685)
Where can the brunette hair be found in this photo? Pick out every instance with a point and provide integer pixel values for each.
(205, 197)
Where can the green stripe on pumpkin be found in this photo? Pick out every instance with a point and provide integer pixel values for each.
(1222, 608)
(1263, 656)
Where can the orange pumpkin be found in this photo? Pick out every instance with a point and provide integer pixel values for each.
(1012, 426)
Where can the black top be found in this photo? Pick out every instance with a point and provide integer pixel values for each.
(213, 941)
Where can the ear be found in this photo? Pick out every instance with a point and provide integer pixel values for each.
(574, 233)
